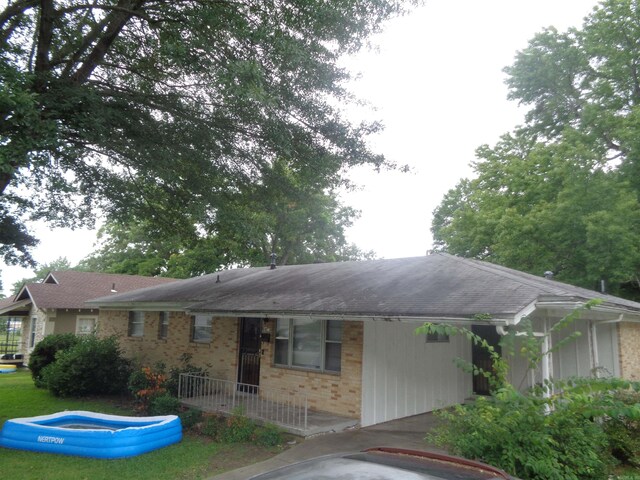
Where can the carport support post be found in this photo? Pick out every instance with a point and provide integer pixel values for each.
(546, 366)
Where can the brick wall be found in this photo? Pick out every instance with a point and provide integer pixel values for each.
(219, 358)
(629, 348)
(337, 393)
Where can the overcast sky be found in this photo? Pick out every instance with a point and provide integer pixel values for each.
(437, 84)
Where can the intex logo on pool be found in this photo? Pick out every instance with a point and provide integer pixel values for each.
(45, 439)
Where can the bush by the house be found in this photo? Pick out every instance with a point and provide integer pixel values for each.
(173, 378)
(164, 405)
(623, 428)
(513, 431)
(190, 417)
(146, 384)
(45, 352)
(238, 428)
(92, 366)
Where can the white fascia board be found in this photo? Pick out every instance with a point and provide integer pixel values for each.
(630, 315)
(525, 312)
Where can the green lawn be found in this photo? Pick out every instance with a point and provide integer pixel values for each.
(194, 457)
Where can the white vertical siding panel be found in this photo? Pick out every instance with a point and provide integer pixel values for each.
(608, 349)
(403, 376)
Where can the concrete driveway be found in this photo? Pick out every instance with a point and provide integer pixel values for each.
(403, 433)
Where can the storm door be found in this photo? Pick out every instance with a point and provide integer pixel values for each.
(480, 357)
(249, 360)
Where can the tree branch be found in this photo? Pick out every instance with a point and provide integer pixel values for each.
(45, 36)
(15, 9)
(117, 20)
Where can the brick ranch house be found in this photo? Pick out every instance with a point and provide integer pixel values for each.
(343, 334)
(57, 304)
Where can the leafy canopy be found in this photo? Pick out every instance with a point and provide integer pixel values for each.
(149, 109)
(561, 192)
(289, 212)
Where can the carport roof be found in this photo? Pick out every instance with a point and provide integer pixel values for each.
(434, 286)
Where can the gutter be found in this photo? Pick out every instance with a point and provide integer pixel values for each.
(357, 317)
(147, 307)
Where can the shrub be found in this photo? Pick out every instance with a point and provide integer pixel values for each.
(45, 351)
(239, 429)
(268, 435)
(164, 405)
(190, 418)
(173, 379)
(91, 367)
(623, 430)
(512, 431)
(146, 385)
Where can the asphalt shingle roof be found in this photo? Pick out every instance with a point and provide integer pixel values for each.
(75, 288)
(437, 285)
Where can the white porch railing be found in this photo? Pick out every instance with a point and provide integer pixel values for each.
(282, 408)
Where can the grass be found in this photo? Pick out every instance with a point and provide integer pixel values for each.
(193, 458)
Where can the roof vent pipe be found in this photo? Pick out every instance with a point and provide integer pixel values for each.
(548, 275)
(113, 288)
(218, 279)
(273, 261)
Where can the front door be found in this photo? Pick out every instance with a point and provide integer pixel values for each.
(249, 361)
(480, 357)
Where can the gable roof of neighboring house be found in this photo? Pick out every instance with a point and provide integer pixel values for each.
(434, 286)
(70, 289)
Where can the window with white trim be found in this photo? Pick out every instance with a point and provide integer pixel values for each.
(86, 325)
(308, 343)
(163, 325)
(201, 328)
(136, 324)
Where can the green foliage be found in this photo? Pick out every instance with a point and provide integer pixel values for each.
(623, 430)
(147, 385)
(45, 352)
(190, 417)
(561, 193)
(268, 435)
(153, 111)
(91, 367)
(237, 428)
(287, 210)
(173, 380)
(164, 405)
(512, 431)
(572, 429)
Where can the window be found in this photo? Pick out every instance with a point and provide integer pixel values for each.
(437, 337)
(32, 332)
(201, 328)
(136, 324)
(86, 325)
(310, 344)
(163, 325)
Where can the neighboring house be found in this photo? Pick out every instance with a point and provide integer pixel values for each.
(57, 304)
(343, 334)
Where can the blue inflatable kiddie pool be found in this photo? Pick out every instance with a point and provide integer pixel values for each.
(89, 434)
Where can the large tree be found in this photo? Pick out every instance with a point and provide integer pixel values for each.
(149, 109)
(291, 212)
(561, 193)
